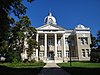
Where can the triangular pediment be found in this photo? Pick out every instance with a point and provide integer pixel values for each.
(49, 27)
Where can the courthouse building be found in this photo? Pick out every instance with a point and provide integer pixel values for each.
(59, 44)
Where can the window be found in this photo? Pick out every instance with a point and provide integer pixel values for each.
(41, 41)
(67, 53)
(83, 52)
(73, 53)
(50, 41)
(66, 41)
(59, 42)
(50, 21)
(87, 52)
(59, 53)
(84, 41)
(41, 53)
(34, 53)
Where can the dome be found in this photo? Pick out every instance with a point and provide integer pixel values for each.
(50, 19)
(80, 26)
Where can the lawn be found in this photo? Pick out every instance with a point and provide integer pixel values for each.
(81, 68)
(20, 68)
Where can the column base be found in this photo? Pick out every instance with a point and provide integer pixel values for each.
(65, 59)
(45, 59)
(36, 58)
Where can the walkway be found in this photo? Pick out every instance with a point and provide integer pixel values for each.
(52, 69)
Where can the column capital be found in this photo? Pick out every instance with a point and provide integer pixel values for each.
(45, 33)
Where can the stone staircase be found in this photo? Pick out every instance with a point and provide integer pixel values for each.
(50, 61)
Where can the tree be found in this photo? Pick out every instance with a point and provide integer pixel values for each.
(95, 52)
(93, 41)
(98, 38)
(95, 55)
(6, 21)
(20, 31)
(32, 44)
(7, 7)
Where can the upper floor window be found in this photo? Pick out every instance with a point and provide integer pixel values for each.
(66, 41)
(50, 41)
(41, 41)
(84, 41)
(59, 42)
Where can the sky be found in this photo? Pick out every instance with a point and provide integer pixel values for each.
(68, 13)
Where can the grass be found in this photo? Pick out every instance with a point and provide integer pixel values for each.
(81, 64)
(81, 68)
(23, 65)
(20, 68)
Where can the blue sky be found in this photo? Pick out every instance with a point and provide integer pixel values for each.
(68, 13)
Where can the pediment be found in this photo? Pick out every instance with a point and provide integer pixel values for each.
(49, 27)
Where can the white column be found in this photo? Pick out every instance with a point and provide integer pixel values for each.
(45, 54)
(37, 37)
(55, 45)
(37, 49)
(64, 48)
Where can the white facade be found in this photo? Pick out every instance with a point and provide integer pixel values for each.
(57, 43)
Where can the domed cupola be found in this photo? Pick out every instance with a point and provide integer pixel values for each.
(50, 20)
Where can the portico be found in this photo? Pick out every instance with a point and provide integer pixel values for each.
(52, 45)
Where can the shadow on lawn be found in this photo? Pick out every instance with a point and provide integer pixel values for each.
(82, 71)
(19, 71)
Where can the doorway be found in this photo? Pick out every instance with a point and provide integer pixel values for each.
(51, 55)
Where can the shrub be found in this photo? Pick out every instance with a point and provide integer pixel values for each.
(13, 56)
(40, 61)
(33, 60)
(95, 55)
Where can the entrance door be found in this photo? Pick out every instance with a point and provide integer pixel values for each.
(51, 55)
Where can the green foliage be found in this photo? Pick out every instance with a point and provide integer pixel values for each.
(23, 65)
(40, 61)
(95, 52)
(16, 57)
(33, 61)
(18, 36)
(11, 34)
(13, 56)
(82, 64)
(98, 38)
(98, 34)
(95, 40)
(32, 44)
(95, 55)
(7, 7)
